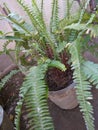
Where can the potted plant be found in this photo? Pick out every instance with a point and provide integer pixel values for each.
(54, 57)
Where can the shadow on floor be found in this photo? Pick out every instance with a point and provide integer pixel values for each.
(72, 119)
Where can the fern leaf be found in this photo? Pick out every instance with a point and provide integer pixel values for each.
(83, 11)
(68, 8)
(6, 78)
(82, 85)
(54, 18)
(23, 90)
(34, 15)
(75, 26)
(82, 26)
(65, 22)
(42, 4)
(72, 36)
(57, 64)
(91, 71)
(38, 22)
(61, 46)
(11, 38)
(38, 13)
(18, 23)
(31, 15)
(34, 91)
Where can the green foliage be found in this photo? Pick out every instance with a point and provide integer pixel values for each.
(35, 97)
(91, 72)
(57, 64)
(37, 20)
(70, 36)
(31, 13)
(54, 17)
(83, 87)
(10, 38)
(7, 77)
(61, 46)
(83, 10)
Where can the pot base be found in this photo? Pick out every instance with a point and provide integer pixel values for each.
(65, 98)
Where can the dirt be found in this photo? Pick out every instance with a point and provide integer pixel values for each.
(57, 79)
(9, 94)
(62, 119)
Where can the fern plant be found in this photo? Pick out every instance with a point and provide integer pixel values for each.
(57, 48)
(7, 77)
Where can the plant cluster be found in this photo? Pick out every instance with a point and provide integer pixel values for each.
(58, 48)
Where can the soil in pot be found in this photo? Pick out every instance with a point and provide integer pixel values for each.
(61, 88)
(57, 79)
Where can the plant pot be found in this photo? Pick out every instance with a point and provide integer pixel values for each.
(65, 98)
(5, 122)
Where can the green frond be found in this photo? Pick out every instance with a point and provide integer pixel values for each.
(38, 15)
(42, 4)
(76, 26)
(91, 72)
(61, 46)
(54, 17)
(81, 26)
(38, 22)
(65, 22)
(11, 38)
(57, 64)
(72, 32)
(18, 23)
(72, 36)
(7, 77)
(17, 51)
(23, 90)
(83, 11)
(34, 92)
(93, 29)
(34, 15)
(23, 25)
(82, 85)
(68, 8)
